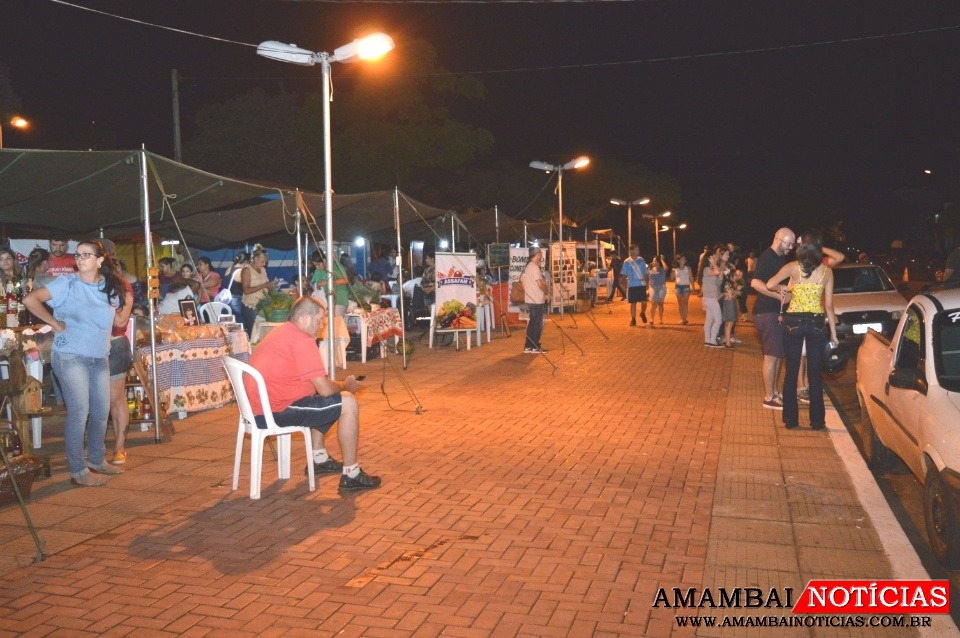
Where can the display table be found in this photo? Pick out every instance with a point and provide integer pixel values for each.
(376, 327)
(190, 375)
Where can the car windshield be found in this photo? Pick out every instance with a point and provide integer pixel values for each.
(946, 347)
(865, 279)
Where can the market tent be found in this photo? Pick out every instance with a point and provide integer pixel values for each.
(82, 191)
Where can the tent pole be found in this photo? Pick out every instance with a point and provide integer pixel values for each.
(403, 314)
(151, 304)
(299, 247)
(328, 213)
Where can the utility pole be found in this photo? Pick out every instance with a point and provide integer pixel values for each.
(177, 153)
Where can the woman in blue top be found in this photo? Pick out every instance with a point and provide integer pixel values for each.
(84, 308)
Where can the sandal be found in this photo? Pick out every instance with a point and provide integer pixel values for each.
(119, 457)
(90, 480)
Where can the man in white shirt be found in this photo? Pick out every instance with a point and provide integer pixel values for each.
(535, 290)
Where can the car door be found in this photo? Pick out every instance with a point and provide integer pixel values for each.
(904, 405)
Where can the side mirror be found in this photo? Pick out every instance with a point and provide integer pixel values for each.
(903, 287)
(908, 379)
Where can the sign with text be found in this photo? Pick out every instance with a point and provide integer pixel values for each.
(456, 281)
(563, 271)
(518, 262)
(498, 256)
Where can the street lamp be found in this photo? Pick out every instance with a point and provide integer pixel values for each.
(637, 202)
(367, 48)
(656, 225)
(682, 226)
(16, 122)
(579, 162)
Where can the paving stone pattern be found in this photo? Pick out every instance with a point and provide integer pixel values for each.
(519, 502)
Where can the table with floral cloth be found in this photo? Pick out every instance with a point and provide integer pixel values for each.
(383, 324)
(190, 375)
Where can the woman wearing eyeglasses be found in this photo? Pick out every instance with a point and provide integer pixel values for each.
(10, 269)
(85, 308)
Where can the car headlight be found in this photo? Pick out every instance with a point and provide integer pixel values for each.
(896, 314)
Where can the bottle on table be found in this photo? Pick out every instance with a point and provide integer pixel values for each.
(146, 408)
(12, 319)
(132, 403)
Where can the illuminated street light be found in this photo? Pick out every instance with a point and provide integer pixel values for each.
(682, 226)
(16, 122)
(578, 162)
(637, 202)
(366, 48)
(656, 225)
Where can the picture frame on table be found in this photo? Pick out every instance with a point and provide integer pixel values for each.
(188, 310)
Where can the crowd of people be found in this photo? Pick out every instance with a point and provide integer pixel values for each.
(793, 312)
(88, 297)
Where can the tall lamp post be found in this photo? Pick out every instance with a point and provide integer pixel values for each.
(370, 47)
(682, 226)
(637, 202)
(579, 162)
(16, 122)
(656, 225)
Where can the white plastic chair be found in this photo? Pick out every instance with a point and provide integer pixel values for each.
(212, 310)
(248, 425)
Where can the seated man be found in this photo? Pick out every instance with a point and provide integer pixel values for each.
(301, 393)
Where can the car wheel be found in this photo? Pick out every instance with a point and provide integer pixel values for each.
(941, 527)
(874, 451)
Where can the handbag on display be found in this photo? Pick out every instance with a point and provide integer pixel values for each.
(517, 294)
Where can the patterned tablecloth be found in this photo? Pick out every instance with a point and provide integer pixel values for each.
(190, 375)
(383, 324)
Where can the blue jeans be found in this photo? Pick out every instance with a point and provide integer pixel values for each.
(249, 318)
(85, 382)
(535, 325)
(237, 307)
(796, 328)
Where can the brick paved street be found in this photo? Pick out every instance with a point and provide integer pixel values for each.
(519, 502)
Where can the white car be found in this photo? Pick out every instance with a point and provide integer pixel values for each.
(908, 388)
(864, 298)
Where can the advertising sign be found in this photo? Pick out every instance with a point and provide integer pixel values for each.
(563, 271)
(456, 285)
(518, 262)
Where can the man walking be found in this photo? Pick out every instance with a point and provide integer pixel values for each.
(635, 277)
(766, 314)
(302, 394)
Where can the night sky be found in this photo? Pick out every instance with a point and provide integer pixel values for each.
(760, 125)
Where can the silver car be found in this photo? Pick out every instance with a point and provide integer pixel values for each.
(864, 298)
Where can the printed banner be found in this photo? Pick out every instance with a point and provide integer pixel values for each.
(518, 262)
(456, 287)
(563, 272)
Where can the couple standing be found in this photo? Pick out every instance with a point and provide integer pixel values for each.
(802, 292)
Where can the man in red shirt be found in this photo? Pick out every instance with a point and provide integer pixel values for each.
(61, 262)
(302, 394)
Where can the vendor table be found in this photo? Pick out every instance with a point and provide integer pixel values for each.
(376, 327)
(190, 375)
